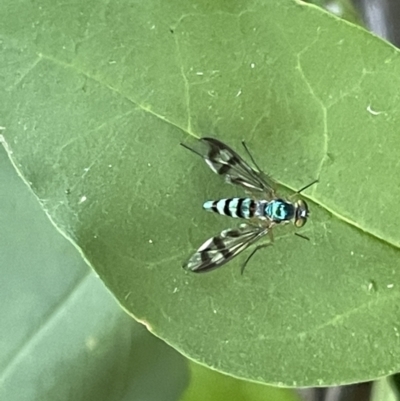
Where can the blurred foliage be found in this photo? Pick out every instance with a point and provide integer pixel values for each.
(341, 8)
(206, 384)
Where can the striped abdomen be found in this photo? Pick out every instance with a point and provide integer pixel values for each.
(244, 208)
(277, 210)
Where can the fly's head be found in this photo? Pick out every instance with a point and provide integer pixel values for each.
(301, 214)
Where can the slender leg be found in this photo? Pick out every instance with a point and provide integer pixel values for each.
(251, 156)
(251, 255)
(192, 150)
(302, 236)
(307, 186)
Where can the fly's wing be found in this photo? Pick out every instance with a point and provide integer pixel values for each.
(218, 250)
(226, 162)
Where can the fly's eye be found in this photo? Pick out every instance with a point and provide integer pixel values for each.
(300, 222)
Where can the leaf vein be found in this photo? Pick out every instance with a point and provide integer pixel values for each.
(113, 89)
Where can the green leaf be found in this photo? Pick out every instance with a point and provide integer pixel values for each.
(97, 97)
(206, 384)
(63, 337)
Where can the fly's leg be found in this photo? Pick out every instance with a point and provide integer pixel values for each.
(251, 156)
(302, 236)
(304, 188)
(271, 183)
(251, 255)
(267, 226)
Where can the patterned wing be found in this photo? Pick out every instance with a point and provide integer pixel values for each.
(218, 250)
(226, 162)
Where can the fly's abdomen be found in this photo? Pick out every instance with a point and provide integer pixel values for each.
(244, 208)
